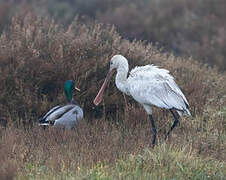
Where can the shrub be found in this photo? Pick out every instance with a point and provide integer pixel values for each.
(38, 55)
(186, 28)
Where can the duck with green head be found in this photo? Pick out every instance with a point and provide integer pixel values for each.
(65, 116)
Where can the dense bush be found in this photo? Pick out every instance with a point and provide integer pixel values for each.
(189, 27)
(37, 56)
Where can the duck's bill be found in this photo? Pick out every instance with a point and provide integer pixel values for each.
(77, 89)
(100, 94)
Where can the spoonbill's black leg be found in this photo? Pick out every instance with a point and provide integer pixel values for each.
(174, 123)
(153, 129)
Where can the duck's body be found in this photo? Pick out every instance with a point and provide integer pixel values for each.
(65, 116)
(148, 85)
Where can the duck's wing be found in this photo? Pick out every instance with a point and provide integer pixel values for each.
(51, 111)
(55, 113)
(70, 118)
(43, 121)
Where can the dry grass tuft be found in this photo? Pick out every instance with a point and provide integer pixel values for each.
(36, 152)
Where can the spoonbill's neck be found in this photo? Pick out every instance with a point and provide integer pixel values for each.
(121, 78)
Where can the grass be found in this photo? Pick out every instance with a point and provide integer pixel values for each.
(105, 150)
(163, 162)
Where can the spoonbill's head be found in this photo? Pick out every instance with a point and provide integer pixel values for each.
(118, 62)
(69, 87)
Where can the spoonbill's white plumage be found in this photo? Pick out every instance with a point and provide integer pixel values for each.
(148, 85)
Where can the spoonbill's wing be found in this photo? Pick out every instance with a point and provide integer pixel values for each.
(149, 70)
(157, 93)
(153, 74)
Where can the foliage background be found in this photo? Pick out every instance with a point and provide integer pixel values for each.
(184, 27)
(43, 43)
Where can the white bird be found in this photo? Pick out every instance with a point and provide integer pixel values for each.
(65, 116)
(148, 85)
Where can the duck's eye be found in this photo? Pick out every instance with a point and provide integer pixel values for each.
(111, 63)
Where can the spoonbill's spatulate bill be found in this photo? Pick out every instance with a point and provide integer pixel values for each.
(148, 85)
(67, 115)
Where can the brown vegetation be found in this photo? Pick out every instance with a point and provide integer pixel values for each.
(37, 55)
(184, 27)
(56, 150)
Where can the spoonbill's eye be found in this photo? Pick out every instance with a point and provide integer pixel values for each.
(111, 63)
